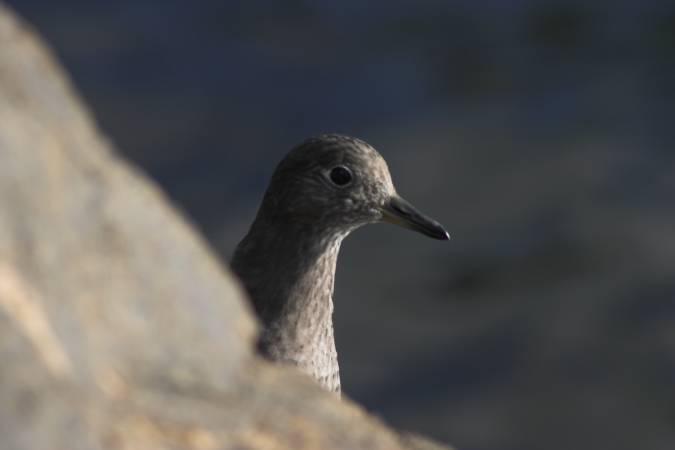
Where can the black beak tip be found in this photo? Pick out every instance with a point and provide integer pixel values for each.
(440, 234)
(402, 213)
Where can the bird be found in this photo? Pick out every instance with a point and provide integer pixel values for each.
(325, 188)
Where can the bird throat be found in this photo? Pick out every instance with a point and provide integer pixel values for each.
(294, 302)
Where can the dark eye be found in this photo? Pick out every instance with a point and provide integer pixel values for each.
(340, 175)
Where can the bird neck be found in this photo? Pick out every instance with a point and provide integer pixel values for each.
(288, 269)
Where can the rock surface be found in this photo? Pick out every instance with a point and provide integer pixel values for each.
(118, 327)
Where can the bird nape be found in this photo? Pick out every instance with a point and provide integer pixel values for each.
(322, 190)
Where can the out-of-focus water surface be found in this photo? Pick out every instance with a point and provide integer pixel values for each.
(539, 132)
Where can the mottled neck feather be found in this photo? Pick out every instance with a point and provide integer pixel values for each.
(289, 271)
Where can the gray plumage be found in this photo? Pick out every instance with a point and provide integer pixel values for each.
(325, 188)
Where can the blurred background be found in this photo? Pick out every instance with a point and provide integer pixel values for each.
(539, 132)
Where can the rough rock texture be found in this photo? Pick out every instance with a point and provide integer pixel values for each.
(118, 328)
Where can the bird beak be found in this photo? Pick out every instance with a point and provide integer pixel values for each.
(400, 212)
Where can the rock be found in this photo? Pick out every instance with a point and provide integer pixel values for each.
(119, 329)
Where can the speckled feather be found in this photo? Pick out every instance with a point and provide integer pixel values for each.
(287, 260)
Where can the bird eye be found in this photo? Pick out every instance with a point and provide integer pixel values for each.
(340, 175)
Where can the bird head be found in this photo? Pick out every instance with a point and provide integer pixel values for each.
(338, 183)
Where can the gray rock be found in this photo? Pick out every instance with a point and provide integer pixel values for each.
(118, 327)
